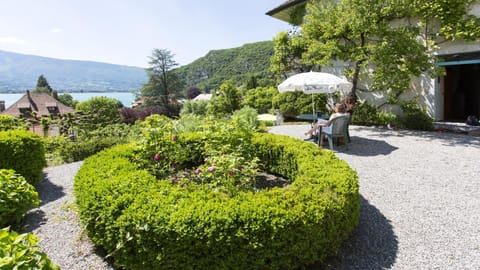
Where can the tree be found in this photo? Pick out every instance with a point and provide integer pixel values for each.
(43, 86)
(68, 100)
(225, 101)
(98, 112)
(388, 40)
(260, 98)
(163, 84)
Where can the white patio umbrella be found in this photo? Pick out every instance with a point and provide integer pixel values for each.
(314, 83)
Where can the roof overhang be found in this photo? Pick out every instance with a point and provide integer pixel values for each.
(289, 11)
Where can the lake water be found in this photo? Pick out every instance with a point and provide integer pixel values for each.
(125, 97)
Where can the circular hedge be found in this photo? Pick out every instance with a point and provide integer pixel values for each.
(145, 223)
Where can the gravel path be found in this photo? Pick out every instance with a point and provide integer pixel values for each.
(420, 204)
(56, 222)
(420, 199)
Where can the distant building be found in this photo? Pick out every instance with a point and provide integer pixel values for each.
(36, 105)
(203, 97)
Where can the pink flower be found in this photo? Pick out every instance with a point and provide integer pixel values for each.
(211, 169)
(231, 172)
(197, 171)
(206, 159)
(174, 138)
(156, 157)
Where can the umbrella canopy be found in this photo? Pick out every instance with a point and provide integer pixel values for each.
(315, 83)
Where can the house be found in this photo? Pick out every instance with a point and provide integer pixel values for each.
(451, 97)
(36, 105)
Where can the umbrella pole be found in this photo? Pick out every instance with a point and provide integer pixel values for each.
(313, 106)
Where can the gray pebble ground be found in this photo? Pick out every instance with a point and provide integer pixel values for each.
(420, 204)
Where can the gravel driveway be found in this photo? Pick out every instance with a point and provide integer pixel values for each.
(420, 204)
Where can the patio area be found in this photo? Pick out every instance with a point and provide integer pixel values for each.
(420, 198)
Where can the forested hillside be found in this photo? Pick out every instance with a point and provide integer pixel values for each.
(237, 64)
(19, 72)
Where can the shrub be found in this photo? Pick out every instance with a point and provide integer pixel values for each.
(20, 251)
(415, 117)
(8, 122)
(291, 104)
(149, 223)
(23, 152)
(16, 197)
(196, 107)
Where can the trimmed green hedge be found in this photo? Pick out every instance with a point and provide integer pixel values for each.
(16, 197)
(146, 223)
(23, 151)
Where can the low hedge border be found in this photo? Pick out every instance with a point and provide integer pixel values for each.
(148, 224)
(23, 152)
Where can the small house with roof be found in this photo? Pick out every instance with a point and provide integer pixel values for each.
(37, 105)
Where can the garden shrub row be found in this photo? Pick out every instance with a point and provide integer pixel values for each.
(16, 197)
(145, 223)
(23, 152)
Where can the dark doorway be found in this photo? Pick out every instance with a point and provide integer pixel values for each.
(462, 92)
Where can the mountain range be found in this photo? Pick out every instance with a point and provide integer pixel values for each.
(19, 72)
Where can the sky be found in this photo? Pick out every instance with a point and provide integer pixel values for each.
(125, 32)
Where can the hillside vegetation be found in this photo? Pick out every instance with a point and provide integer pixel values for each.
(236, 64)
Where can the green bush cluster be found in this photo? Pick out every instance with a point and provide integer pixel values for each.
(8, 122)
(16, 197)
(148, 223)
(415, 117)
(368, 114)
(20, 251)
(23, 152)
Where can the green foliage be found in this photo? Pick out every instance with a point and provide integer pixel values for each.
(23, 152)
(415, 117)
(8, 122)
(61, 149)
(291, 104)
(98, 111)
(368, 114)
(16, 197)
(246, 119)
(260, 98)
(20, 251)
(197, 107)
(378, 39)
(68, 100)
(237, 64)
(162, 83)
(225, 101)
(43, 86)
(146, 223)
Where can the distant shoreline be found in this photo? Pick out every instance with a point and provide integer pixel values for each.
(71, 91)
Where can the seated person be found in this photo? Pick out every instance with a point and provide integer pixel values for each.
(340, 110)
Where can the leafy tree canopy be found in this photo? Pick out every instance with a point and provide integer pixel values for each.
(388, 40)
(43, 86)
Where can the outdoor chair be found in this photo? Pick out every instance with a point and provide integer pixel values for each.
(339, 130)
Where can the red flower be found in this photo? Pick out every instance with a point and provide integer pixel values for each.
(231, 172)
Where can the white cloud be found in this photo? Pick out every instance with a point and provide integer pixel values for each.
(12, 40)
(56, 30)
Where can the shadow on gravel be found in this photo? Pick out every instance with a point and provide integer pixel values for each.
(48, 191)
(34, 219)
(360, 146)
(373, 245)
